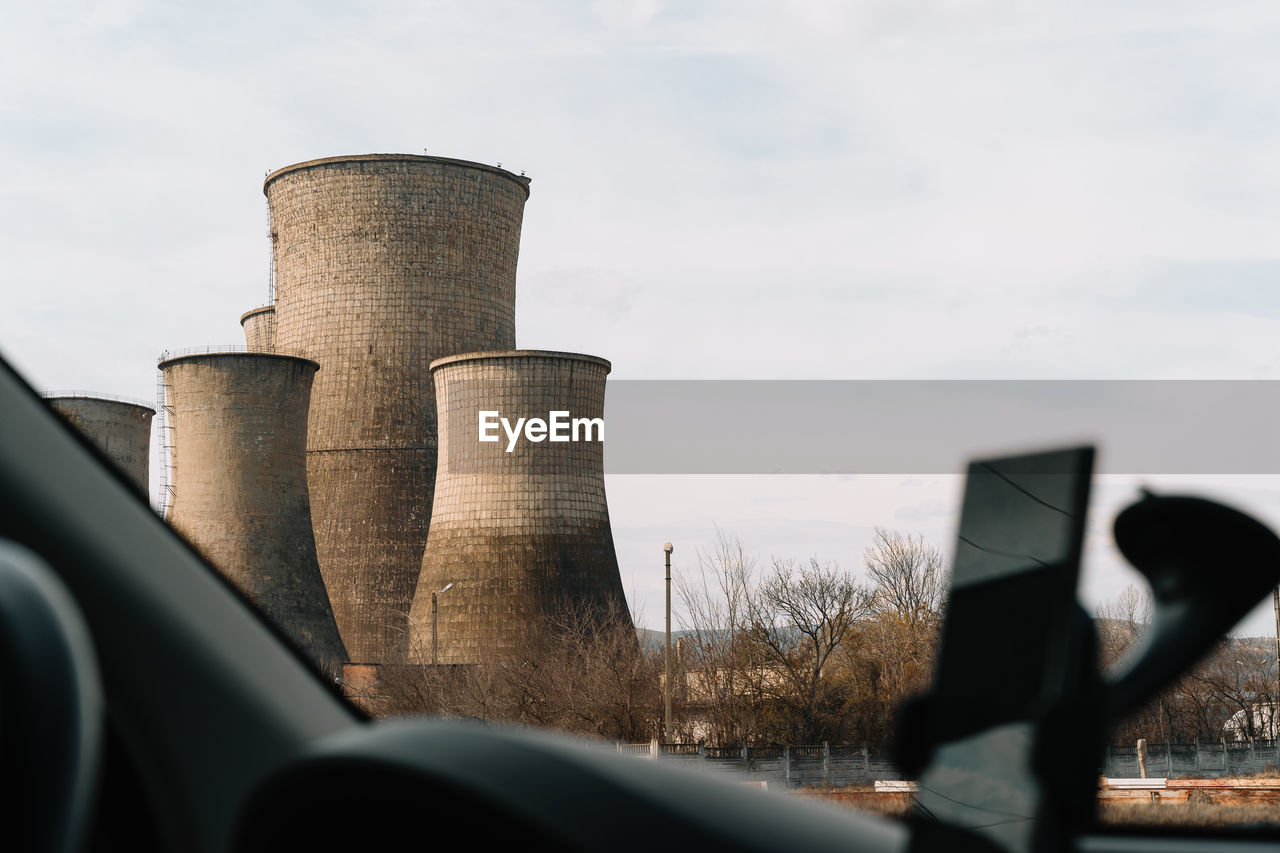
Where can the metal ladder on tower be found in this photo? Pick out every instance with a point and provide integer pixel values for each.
(164, 439)
(271, 260)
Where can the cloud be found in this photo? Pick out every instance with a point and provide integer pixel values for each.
(934, 189)
(924, 511)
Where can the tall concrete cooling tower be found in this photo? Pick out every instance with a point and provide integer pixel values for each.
(260, 328)
(120, 429)
(520, 529)
(240, 487)
(382, 263)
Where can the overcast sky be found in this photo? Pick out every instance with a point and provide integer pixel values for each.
(813, 189)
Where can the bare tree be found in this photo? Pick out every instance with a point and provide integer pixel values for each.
(578, 671)
(1121, 623)
(1235, 686)
(892, 657)
(1230, 692)
(760, 654)
(594, 677)
(908, 577)
(722, 677)
(802, 614)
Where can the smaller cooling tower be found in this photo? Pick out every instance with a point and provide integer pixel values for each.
(260, 328)
(520, 534)
(120, 429)
(239, 480)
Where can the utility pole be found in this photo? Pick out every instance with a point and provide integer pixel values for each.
(1275, 706)
(666, 654)
(435, 647)
(435, 638)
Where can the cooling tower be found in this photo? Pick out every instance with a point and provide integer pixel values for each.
(260, 328)
(120, 429)
(383, 263)
(519, 532)
(238, 474)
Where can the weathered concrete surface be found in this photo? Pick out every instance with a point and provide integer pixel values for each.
(383, 263)
(521, 534)
(240, 489)
(120, 430)
(1203, 760)
(260, 328)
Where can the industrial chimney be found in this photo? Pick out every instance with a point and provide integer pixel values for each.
(520, 527)
(119, 428)
(382, 263)
(239, 485)
(260, 329)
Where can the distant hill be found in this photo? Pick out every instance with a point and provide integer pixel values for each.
(656, 640)
(653, 639)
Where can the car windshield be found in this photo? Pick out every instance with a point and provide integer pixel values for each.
(804, 261)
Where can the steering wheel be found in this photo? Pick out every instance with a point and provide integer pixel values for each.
(51, 708)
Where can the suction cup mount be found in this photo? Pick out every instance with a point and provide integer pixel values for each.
(1014, 728)
(1208, 566)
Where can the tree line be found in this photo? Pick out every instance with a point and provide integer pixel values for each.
(797, 652)
(804, 652)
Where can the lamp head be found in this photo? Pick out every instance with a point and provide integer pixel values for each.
(667, 548)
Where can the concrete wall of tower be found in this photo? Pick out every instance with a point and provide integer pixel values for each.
(121, 430)
(238, 473)
(524, 535)
(384, 263)
(260, 329)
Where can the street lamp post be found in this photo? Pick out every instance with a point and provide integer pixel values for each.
(1275, 706)
(666, 654)
(435, 639)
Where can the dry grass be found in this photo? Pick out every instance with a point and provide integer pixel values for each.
(1188, 815)
(863, 799)
(884, 808)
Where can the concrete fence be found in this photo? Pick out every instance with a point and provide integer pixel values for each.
(827, 766)
(1193, 760)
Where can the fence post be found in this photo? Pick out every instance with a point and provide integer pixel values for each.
(826, 765)
(1142, 758)
(786, 766)
(1197, 755)
(1226, 758)
(866, 764)
(1253, 756)
(654, 749)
